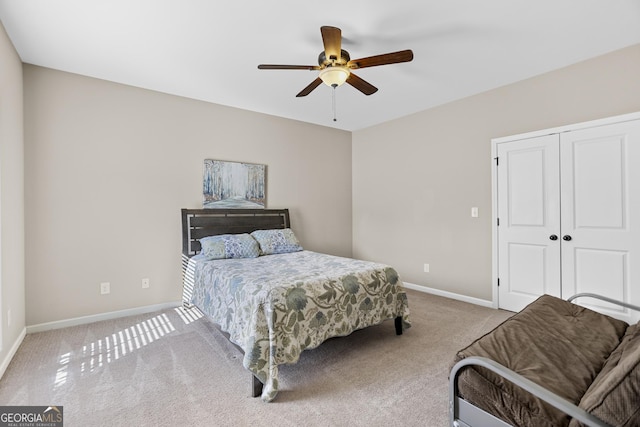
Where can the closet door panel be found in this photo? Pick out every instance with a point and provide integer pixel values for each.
(593, 267)
(597, 183)
(528, 211)
(600, 213)
(526, 264)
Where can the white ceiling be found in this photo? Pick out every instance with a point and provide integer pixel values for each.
(209, 49)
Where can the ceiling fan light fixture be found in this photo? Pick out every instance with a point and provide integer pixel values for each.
(334, 76)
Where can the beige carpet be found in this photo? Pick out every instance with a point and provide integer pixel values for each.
(170, 368)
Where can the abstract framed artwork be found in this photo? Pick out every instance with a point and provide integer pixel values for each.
(233, 185)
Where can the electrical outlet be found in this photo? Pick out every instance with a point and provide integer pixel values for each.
(145, 283)
(474, 212)
(426, 268)
(105, 288)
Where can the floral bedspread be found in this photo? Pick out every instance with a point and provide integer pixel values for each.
(276, 306)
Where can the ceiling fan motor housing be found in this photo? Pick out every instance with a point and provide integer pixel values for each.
(323, 61)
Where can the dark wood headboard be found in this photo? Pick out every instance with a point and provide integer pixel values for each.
(199, 223)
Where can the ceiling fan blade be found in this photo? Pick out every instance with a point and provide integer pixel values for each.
(384, 59)
(287, 67)
(307, 90)
(363, 86)
(332, 39)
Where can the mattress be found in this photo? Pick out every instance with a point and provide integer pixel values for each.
(554, 343)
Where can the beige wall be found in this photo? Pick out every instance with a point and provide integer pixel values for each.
(12, 274)
(109, 166)
(415, 179)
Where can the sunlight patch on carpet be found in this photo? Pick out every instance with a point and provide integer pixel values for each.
(189, 315)
(119, 344)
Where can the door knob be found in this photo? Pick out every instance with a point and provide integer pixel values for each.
(553, 237)
(566, 237)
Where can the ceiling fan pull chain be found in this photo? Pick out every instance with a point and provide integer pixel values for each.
(333, 97)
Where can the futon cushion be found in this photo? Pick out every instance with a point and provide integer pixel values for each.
(278, 241)
(229, 246)
(614, 396)
(554, 343)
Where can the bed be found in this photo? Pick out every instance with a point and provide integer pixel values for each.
(285, 299)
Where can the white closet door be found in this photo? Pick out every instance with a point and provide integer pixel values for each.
(600, 185)
(529, 220)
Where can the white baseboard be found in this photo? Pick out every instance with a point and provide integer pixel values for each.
(41, 327)
(12, 352)
(440, 293)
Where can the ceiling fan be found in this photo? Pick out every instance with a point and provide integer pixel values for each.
(335, 64)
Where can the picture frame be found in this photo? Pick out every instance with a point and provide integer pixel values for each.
(233, 185)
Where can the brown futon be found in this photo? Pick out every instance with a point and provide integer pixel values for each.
(582, 367)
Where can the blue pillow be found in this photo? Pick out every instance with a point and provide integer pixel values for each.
(277, 241)
(229, 246)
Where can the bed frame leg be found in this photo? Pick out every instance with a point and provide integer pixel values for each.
(256, 386)
(399, 325)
